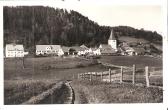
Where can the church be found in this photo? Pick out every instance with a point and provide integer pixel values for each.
(111, 47)
(112, 41)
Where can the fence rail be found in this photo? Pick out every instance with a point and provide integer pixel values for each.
(122, 74)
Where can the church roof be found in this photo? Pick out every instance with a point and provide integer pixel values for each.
(112, 37)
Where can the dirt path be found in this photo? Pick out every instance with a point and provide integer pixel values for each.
(58, 94)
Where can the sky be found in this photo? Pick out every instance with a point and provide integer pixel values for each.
(146, 16)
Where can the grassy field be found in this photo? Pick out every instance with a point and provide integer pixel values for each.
(155, 67)
(131, 39)
(17, 92)
(39, 74)
(98, 92)
(139, 61)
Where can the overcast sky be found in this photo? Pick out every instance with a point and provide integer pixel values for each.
(147, 17)
(147, 14)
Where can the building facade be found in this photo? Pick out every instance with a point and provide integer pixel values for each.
(49, 50)
(14, 50)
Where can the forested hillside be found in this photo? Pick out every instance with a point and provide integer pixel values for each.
(45, 25)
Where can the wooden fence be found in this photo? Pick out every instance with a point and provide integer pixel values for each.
(123, 74)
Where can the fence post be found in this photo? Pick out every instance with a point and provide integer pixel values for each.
(101, 76)
(147, 76)
(96, 75)
(110, 75)
(133, 74)
(90, 76)
(84, 76)
(121, 77)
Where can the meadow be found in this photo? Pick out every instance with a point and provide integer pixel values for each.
(39, 74)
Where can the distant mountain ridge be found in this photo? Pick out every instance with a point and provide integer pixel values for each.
(45, 25)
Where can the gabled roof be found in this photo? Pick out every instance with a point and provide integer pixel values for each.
(84, 46)
(112, 37)
(128, 49)
(104, 46)
(43, 47)
(12, 47)
(94, 49)
(77, 48)
(139, 50)
(65, 49)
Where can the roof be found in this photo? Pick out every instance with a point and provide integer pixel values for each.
(139, 50)
(128, 49)
(104, 46)
(112, 37)
(84, 46)
(65, 49)
(106, 49)
(94, 49)
(43, 47)
(12, 47)
(77, 48)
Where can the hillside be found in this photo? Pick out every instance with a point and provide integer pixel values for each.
(45, 25)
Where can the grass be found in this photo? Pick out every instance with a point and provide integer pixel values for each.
(131, 39)
(36, 68)
(40, 74)
(139, 61)
(97, 92)
(22, 83)
(17, 92)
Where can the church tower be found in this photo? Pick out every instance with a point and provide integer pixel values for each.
(112, 41)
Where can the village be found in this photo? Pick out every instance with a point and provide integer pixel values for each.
(56, 56)
(112, 48)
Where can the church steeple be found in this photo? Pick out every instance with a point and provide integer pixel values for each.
(112, 37)
(112, 41)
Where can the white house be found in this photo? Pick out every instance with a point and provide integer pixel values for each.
(49, 49)
(96, 51)
(14, 50)
(129, 50)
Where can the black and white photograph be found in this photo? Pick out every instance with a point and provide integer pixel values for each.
(83, 54)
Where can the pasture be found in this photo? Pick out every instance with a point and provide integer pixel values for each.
(39, 74)
(139, 61)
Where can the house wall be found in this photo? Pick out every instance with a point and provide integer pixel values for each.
(11, 53)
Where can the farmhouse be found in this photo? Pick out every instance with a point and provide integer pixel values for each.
(14, 50)
(76, 50)
(65, 50)
(139, 51)
(128, 50)
(49, 50)
(95, 51)
(84, 46)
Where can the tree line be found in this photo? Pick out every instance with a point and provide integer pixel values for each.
(32, 25)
